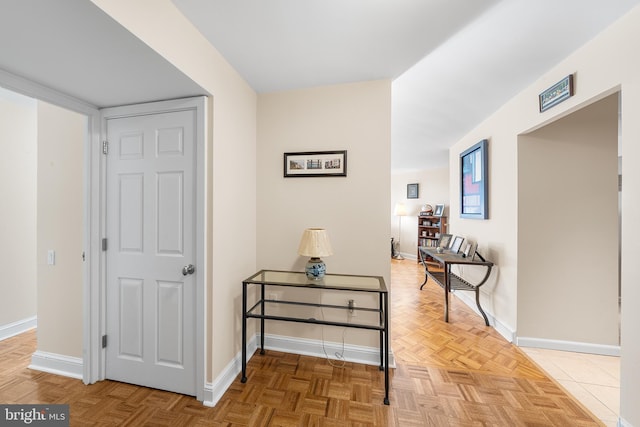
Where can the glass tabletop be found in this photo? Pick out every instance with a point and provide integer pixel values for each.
(329, 281)
(449, 257)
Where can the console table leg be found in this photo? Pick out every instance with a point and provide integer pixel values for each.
(381, 307)
(386, 348)
(424, 265)
(244, 333)
(262, 320)
(486, 320)
(425, 281)
(447, 289)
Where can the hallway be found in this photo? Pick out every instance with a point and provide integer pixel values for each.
(466, 344)
(448, 374)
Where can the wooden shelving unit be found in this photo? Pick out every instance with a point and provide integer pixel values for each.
(430, 228)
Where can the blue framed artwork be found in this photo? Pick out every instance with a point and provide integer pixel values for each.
(474, 188)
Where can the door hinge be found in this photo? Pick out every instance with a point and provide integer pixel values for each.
(105, 147)
(104, 341)
(104, 244)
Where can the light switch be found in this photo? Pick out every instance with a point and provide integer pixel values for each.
(51, 257)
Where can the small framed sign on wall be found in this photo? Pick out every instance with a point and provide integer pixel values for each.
(412, 191)
(557, 93)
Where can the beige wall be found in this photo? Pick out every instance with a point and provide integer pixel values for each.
(568, 211)
(353, 209)
(231, 156)
(433, 189)
(356, 117)
(18, 174)
(61, 135)
(605, 65)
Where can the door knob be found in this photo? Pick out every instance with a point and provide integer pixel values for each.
(188, 269)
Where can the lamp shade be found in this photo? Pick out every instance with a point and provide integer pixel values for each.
(315, 243)
(400, 210)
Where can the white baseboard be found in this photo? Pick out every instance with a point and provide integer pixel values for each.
(352, 353)
(607, 350)
(623, 423)
(57, 364)
(12, 329)
(469, 299)
(214, 391)
(208, 398)
(502, 329)
(409, 256)
(576, 347)
(307, 347)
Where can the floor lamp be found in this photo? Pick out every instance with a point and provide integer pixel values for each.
(400, 210)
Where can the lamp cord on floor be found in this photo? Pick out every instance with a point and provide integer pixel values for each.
(338, 354)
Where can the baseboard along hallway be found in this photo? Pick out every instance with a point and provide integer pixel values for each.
(460, 373)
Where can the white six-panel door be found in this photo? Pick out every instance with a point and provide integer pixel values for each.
(150, 300)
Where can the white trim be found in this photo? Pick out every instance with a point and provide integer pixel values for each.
(507, 333)
(94, 204)
(210, 398)
(214, 391)
(91, 205)
(201, 247)
(91, 311)
(16, 328)
(306, 347)
(98, 304)
(409, 256)
(469, 299)
(57, 364)
(623, 423)
(28, 88)
(573, 346)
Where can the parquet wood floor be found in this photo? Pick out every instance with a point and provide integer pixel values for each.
(448, 374)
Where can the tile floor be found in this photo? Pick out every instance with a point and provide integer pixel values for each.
(592, 379)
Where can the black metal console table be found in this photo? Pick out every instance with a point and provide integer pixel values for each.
(337, 282)
(450, 281)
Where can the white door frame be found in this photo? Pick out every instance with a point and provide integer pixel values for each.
(94, 184)
(98, 303)
(91, 209)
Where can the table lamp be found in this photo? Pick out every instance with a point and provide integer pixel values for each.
(315, 244)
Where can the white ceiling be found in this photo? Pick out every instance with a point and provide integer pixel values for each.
(453, 62)
(75, 48)
(290, 44)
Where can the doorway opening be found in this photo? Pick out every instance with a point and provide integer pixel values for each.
(569, 225)
(43, 147)
(75, 349)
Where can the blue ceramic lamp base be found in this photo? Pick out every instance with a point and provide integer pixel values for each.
(315, 269)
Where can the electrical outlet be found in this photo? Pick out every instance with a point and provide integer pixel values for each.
(351, 304)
